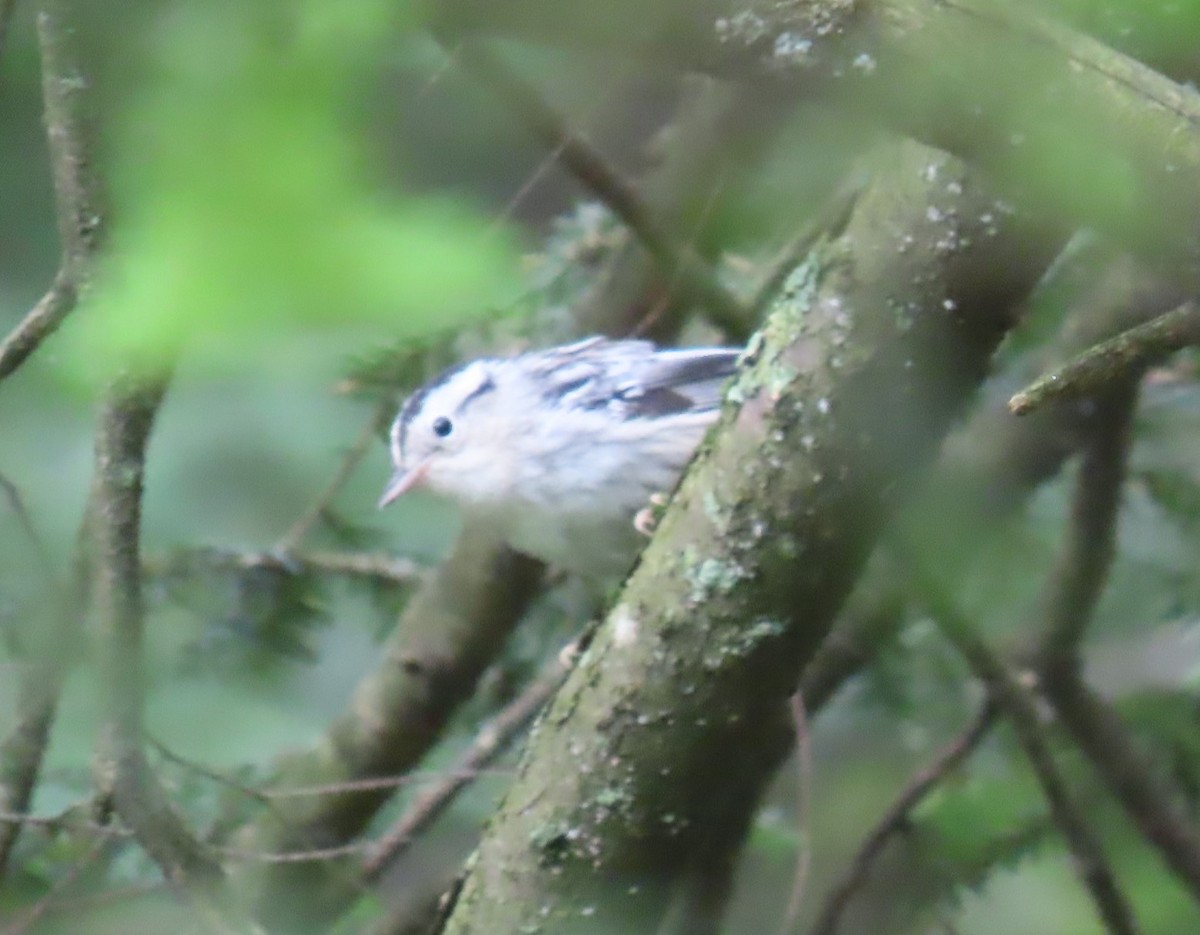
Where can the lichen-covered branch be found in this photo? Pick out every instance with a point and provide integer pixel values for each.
(875, 344)
(1113, 360)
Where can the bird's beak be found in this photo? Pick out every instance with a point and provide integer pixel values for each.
(403, 480)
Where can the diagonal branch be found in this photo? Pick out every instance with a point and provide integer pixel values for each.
(1091, 863)
(80, 210)
(696, 279)
(492, 740)
(1113, 360)
(896, 818)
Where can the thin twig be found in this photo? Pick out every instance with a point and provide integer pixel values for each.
(697, 280)
(312, 856)
(1090, 860)
(270, 794)
(1113, 360)
(489, 743)
(201, 770)
(897, 817)
(290, 540)
(805, 771)
(16, 503)
(40, 322)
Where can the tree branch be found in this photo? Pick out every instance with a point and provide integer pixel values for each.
(65, 90)
(450, 631)
(897, 817)
(127, 416)
(696, 280)
(1091, 863)
(1072, 593)
(66, 86)
(1073, 102)
(1082, 570)
(1113, 360)
(1152, 803)
(7, 7)
(492, 740)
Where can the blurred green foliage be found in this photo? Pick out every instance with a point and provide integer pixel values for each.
(244, 207)
(269, 167)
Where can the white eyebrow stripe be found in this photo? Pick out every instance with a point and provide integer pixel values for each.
(485, 384)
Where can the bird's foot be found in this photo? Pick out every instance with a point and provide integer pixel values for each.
(646, 519)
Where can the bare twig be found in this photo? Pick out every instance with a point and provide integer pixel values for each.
(1150, 800)
(65, 88)
(16, 503)
(376, 565)
(1091, 863)
(897, 817)
(41, 321)
(696, 279)
(489, 743)
(50, 658)
(126, 418)
(1113, 360)
(290, 540)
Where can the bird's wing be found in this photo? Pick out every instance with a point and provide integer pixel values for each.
(634, 377)
(677, 380)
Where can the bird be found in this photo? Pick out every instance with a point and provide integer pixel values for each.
(559, 449)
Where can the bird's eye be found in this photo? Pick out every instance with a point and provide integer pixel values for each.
(442, 427)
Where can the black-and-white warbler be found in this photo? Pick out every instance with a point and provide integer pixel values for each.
(561, 448)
